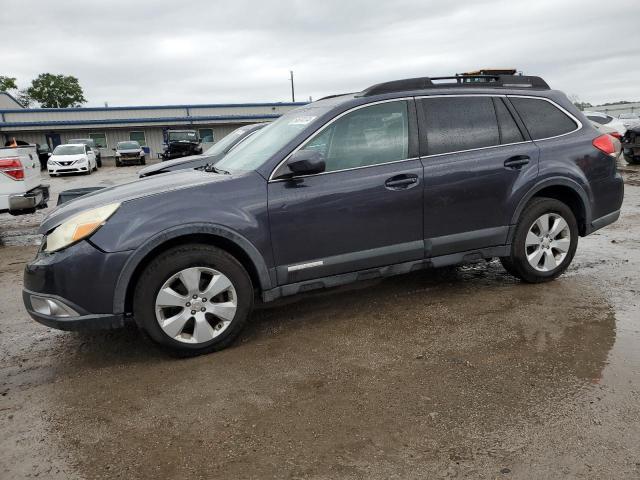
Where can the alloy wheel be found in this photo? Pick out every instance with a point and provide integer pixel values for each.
(196, 305)
(548, 241)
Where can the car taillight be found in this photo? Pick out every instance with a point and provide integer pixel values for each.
(604, 143)
(12, 168)
(616, 135)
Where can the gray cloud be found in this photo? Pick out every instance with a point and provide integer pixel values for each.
(159, 52)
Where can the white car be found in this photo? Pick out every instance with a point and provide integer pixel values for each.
(21, 189)
(72, 158)
(605, 119)
(629, 119)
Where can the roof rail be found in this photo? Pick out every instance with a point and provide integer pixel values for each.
(423, 83)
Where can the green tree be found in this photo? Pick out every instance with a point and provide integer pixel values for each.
(56, 91)
(7, 83)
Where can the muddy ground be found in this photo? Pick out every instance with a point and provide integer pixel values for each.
(455, 373)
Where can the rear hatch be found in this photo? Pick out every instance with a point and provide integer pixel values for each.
(28, 158)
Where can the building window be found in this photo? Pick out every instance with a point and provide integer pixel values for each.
(100, 139)
(138, 137)
(206, 134)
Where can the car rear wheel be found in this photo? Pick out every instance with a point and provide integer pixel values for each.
(544, 242)
(193, 299)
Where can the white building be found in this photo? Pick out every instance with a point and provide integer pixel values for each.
(146, 124)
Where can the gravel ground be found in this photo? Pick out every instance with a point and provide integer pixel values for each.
(453, 373)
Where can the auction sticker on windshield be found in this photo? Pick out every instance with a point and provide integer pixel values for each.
(302, 120)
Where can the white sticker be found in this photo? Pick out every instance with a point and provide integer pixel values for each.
(302, 120)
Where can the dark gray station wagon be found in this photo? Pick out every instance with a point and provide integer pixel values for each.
(404, 175)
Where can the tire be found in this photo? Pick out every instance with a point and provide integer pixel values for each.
(631, 160)
(118, 163)
(550, 253)
(98, 162)
(143, 161)
(180, 337)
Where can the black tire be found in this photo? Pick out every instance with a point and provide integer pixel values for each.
(143, 161)
(631, 160)
(99, 162)
(118, 163)
(516, 263)
(173, 261)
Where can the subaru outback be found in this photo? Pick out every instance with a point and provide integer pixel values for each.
(401, 176)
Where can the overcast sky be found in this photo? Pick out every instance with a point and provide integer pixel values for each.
(134, 52)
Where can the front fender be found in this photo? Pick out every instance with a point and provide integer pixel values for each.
(140, 254)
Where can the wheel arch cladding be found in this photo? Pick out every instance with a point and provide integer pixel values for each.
(223, 238)
(568, 192)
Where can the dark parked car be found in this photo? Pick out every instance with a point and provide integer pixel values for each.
(91, 143)
(631, 145)
(182, 143)
(129, 152)
(209, 157)
(404, 175)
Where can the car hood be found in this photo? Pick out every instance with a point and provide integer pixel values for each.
(168, 165)
(144, 187)
(129, 150)
(67, 158)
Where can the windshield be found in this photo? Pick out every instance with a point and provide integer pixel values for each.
(128, 146)
(178, 136)
(69, 150)
(84, 141)
(260, 146)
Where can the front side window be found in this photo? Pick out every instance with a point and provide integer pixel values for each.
(100, 139)
(367, 136)
(455, 124)
(542, 118)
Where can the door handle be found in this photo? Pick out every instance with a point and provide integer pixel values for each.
(401, 182)
(517, 161)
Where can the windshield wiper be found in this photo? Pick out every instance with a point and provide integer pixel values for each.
(209, 167)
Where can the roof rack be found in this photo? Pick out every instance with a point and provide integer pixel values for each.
(423, 83)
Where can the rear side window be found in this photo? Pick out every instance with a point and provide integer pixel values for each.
(509, 131)
(459, 123)
(599, 119)
(542, 118)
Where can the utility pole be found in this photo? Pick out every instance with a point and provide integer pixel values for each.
(293, 92)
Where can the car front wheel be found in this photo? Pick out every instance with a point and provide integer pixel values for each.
(544, 243)
(193, 299)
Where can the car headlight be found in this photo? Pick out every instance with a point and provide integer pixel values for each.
(78, 227)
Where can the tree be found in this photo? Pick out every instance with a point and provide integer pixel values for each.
(56, 91)
(7, 83)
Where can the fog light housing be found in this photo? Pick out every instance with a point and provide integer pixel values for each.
(52, 307)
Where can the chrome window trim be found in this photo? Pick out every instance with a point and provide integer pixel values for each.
(420, 97)
(318, 130)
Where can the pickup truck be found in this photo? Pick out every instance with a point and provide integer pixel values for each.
(21, 188)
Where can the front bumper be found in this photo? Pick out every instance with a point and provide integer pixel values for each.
(29, 201)
(74, 318)
(79, 282)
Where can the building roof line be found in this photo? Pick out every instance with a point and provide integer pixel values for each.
(130, 121)
(151, 107)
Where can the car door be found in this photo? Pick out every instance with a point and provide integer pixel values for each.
(364, 210)
(477, 159)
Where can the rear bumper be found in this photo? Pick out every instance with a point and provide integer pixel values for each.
(29, 201)
(73, 316)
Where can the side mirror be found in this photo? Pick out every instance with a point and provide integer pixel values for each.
(48, 154)
(306, 162)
